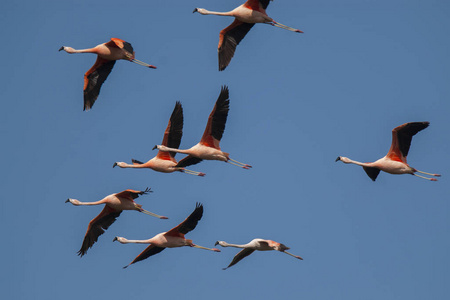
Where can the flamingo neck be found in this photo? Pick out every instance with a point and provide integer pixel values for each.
(208, 12)
(125, 241)
(225, 244)
(168, 149)
(350, 161)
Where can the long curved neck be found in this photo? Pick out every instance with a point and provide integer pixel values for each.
(225, 244)
(79, 203)
(125, 241)
(167, 149)
(350, 161)
(217, 13)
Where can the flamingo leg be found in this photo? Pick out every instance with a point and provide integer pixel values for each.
(296, 256)
(211, 249)
(237, 165)
(192, 172)
(279, 25)
(142, 63)
(244, 165)
(152, 214)
(437, 175)
(431, 179)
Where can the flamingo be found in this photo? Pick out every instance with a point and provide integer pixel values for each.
(114, 205)
(246, 15)
(395, 160)
(255, 244)
(165, 161)
(107, 54)
(170, 239)
(208, 148)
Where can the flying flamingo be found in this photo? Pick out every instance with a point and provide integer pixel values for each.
(170, 239)
(246, 15)
(209, 148)
(255, 244)
(114, 205)
(165, 161)
(107, 54)
(395, 160)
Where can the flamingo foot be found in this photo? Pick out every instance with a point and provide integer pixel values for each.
(433, 179)
(216, 250)
(163, 218)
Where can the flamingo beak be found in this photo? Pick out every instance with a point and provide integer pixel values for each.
(195, 10)
(337, 159)
(115, 239)
(62, 48)
(68, 200)
(217, 243)
(115, 164)
(155, 147)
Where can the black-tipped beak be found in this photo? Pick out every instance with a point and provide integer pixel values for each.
(115, 164)
(217, 243)
(195, 10)
(339, 158)
(62, 48)
(155, 147)
(68, 200)
(115, 239)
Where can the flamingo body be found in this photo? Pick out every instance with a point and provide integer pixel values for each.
(107, 54)
(173, 238)
(395, 160)
(114, 205)
(253, 245)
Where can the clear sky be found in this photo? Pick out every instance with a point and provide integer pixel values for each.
(298, 101)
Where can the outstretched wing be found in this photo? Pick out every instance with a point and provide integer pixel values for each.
(229, 38)
(189, 224)
(132, 194)
(173, 133)
(401, 139)
(93, 80)
(372, 172)
(217, 120)
(97, 227)
(149, 251)
(241, 255)
(188, 161)
(257, 4)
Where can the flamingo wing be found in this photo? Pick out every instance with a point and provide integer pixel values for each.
(257, 4)
(401, 139)
(173, 133)
(229, 38)
(241, 255)
(188, 161)
(93, 80)
(189, 224)
(149, 251)
(125, 46)
(97, 227)
(217, 120)
(372, 172)
(132, 194)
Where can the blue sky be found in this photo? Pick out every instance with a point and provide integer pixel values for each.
(297, 102)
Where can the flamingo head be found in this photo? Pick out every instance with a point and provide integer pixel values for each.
(73, 201)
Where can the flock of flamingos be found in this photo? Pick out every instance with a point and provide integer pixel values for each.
(246, 15)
